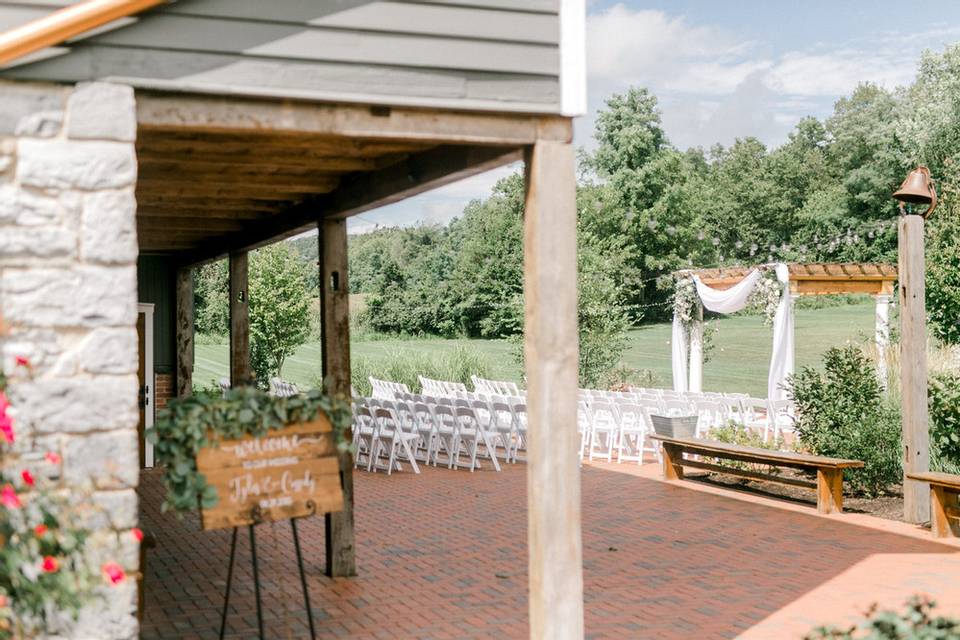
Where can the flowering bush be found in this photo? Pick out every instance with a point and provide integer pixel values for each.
(43, 568)
(685, 300)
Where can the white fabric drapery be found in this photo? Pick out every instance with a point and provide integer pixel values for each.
(781, 360)
(678, 344)
(730, 301)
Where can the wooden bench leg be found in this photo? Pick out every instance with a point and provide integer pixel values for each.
(829, 490)
(672, 455)
(943, 512)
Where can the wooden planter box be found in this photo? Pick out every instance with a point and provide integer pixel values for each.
(289, 473)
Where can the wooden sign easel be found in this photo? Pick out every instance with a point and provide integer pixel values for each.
(287, 474)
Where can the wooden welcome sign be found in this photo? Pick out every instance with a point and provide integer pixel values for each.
(288, 473)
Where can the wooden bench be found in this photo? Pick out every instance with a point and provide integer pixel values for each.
(944, 493)
(829, 484)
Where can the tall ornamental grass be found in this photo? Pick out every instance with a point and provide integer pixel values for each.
(405, 365)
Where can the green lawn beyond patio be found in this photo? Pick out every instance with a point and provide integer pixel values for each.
(738, 361)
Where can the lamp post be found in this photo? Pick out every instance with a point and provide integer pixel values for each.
(917, 189)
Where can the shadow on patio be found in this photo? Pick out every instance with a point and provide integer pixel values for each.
(443, 555)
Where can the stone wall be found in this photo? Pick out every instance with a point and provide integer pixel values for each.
(68, 298)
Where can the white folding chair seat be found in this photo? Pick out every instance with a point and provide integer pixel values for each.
(394, 440)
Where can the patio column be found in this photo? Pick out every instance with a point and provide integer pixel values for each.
(913, 368)
(551, 356)
(335, 353)
(696, 350)
(184, 303)
(240, 372)
(882, 335)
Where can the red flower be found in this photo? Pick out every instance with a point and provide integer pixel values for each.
(53, 458)
(50, 564)
(27, 478)
(23, 362)
(137, 533)
(40, 530)
(9, 497)
(113, 572)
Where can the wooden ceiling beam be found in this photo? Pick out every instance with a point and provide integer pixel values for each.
(282, 183)
(199, 225)
(167, 201)
(283, 162)
(201, 213)
(361, 192)
(253, 144)
(226, 191)
(157, 111)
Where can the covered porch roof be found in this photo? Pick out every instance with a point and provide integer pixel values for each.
(219, 175)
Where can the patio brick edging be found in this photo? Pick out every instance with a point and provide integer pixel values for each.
(68, 297)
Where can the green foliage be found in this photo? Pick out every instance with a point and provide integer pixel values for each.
(404, 365)
(601, 315)
(212, 298)
(279, 305)
(842, 414)
(916, 623)
(734, 432)
(943, 269)
(944, 403)
(187, 425)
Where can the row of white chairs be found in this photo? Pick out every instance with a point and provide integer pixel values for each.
(415, 427)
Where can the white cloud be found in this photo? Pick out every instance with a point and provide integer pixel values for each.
(837, 72)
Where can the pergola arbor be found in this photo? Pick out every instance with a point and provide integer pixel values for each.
(799, 279)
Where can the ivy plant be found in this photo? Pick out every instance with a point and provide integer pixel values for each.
(190, 424)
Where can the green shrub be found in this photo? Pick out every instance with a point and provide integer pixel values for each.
(916, 623)
(842, 414)
(405, 365)
(734, 432)
(944, 395)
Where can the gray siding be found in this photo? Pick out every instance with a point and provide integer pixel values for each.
(156, 280)
(496, 54)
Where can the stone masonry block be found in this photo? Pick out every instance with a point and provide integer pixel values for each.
(43, 124)
(108, 460)
(63, 164)
(27, 209)
(22, 100)
(78, 405)
(110, 227)
(36, 242)
(102, 111)
(111, 351)
(81, 296)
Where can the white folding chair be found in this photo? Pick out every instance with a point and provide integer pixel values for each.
(604, 428)
(393, 438)
(471, 435)
(632, 440)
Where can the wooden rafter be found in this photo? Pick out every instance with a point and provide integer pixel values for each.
(816, 278)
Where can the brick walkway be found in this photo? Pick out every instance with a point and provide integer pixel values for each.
(443, 555)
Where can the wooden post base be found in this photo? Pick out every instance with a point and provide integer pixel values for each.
(672, 462)
(945, 514)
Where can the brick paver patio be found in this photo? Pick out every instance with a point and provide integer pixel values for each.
(443, 555)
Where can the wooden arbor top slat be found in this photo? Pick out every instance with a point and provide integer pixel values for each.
(815, 278)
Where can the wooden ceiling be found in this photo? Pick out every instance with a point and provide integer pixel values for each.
(195, 186)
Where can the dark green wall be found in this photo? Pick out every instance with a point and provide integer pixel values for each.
(156, 280)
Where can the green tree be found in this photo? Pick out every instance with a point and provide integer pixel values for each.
(279, 304)
(211, 298)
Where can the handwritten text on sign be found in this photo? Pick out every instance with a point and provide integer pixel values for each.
(288, 473)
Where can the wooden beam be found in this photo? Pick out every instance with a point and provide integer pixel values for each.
(184, 112)
(913, 368)
(224, 189)
(335, 354)
(149, 162)
(154, 212)
(177, 223)
(184, 330)
(240, 371)
(551, 357)
(419, 173)
(199, 143)
(239, 204)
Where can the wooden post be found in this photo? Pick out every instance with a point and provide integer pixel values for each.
(829, 490)
(335, 354)
(240, 372)
(551, 356)
(184, 303)
(939, 522)
(913, 368)
(696, 350)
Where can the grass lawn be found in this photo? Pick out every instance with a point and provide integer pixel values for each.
(738, 361)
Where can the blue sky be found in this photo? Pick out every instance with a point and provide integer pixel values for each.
(724, 69)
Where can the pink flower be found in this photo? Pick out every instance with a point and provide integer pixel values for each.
(4, 603)
(9, 497)
(137, 533)
(50, 564)
(53, 458)
(40, 530)
(113, 572)
(28, 478)
(6, 428)
(22, 361)
(4, 403)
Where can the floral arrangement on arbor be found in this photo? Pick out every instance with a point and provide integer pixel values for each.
(44, 567)
(190, 424)
(766, 296)
(685, 300)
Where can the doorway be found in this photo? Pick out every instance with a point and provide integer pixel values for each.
(146, 381)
